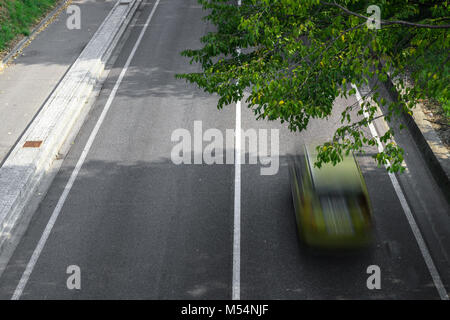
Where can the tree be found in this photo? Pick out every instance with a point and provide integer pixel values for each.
(295, 57)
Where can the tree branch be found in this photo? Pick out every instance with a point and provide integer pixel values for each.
(389, 22)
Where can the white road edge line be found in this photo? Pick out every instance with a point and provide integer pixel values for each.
(409, 216)
(236, 281)
(237, 209)
(40, 246)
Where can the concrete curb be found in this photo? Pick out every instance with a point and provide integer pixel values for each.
(33, 155)
(427, 141)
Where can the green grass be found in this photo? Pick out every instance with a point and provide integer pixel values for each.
(18, 16)
(445, 106)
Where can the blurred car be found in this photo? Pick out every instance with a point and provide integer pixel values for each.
(332, 206)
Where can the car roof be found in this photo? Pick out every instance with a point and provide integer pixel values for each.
(344, 176)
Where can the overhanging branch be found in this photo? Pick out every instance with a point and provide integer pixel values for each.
(388, 22)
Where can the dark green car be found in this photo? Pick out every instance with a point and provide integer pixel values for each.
(332, 206)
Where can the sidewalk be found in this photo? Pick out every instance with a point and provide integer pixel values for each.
(30, 79)
(427, 140)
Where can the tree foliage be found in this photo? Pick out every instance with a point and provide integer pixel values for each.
(293, 58)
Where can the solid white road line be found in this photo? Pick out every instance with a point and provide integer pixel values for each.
(40, 246)
(236, 282)
(409, 216)
(236, 294)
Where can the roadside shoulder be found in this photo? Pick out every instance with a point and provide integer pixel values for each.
(29, 162)
(428, 141)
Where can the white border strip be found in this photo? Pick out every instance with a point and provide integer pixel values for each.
(40, 246)
(236, 295)
(409, 216)
(236, 282)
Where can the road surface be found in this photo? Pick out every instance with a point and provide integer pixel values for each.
(141, 227)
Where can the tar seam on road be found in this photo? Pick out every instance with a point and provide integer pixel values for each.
(409, 216)
(236, 281)
(40, 246)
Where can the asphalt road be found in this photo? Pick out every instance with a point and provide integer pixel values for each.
(140, 226)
